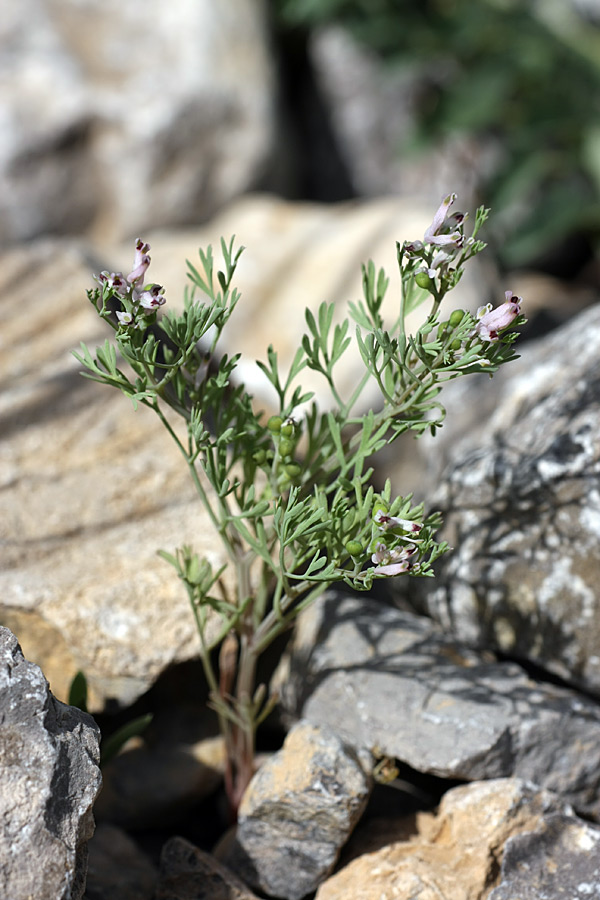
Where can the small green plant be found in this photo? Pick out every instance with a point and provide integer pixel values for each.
(290, 495)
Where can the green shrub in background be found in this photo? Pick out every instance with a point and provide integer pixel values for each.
(523, 74)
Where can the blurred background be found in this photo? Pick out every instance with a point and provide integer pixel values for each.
(120, 117)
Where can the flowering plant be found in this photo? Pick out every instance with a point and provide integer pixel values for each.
(290, 495)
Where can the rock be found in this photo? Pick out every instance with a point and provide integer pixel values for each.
(471, 846)
(90, 491)
(299, 255)
(187, 873)
(118, 115)
(50, 778)
(562, 859)
(118, 869)
(372, 108)
(298, 811)
(181, 776)
(521, 503)
(388, 680)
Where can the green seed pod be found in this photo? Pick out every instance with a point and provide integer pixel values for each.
(259, 456)
(456, 345)
(423, 280)
(287, 429)
(354, 548)
(293, 469)
(274, 424)
(285, 447)
(456, 318)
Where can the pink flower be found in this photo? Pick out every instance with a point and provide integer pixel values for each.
(442, 231)
(114, 280)
(152, 297)
(392, 562)
(386, 522)
(141, 261)
(492, 321)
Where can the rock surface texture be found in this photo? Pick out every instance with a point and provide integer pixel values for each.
(495, 840)
(50, 778)
(521, 504)
(119, 115)
(90, 491)
(386, 679)
(298, 811)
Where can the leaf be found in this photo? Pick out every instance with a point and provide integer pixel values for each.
(78, 692)
(111, 746)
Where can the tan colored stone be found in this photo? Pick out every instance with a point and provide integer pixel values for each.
(90, 491)
(454, 855)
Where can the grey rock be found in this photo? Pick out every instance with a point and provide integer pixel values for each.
(119, 115)
(559, 860)
(521, 504)
(187, 873)
(49, 756)
(389, 680)
(298, 811)
(117, 868)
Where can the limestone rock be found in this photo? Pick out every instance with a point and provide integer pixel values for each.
(521, 503)
(388, 679)
(298, 811)
(118, 869)
(90, 491)
(187, 873)
(50, 778)
(471, 847)
(119, 115)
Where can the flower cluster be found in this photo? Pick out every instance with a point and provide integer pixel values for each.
(394, 559)
(441, 242)
(138, 300)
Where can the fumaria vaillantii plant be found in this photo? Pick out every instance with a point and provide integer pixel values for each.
(290, 496)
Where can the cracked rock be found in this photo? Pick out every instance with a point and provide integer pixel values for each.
(389, 680)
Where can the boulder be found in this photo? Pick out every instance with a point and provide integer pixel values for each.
(116, 116)
(187, 873)
(90, 491)
(520, 499)
(395, 683)
(49, 755)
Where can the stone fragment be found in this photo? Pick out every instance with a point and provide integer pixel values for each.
(187, 873)
(298, 811)
(388, 679)
(119, 115)
(50, 778)
(471, 847)
(181, 776)
(117, 868)
(521, 505)
(90, 491)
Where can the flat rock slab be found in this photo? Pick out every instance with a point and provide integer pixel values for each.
(391, 681)
(50, 777)
(90, 491)
(298, 812)
(501, 840)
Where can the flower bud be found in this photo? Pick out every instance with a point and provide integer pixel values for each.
(423, 280)
(456, 318)
(286, 447)
(354, 548)
(274, 424)
(292, 469)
